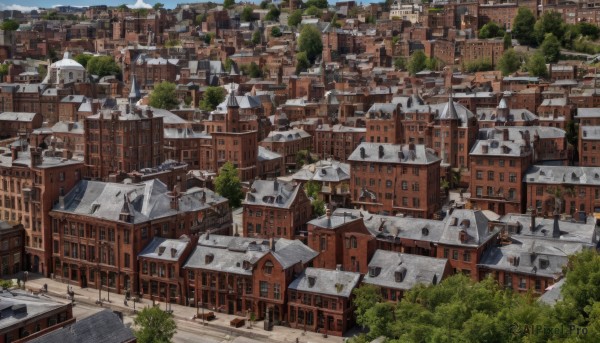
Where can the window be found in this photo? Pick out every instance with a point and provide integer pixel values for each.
(479, 175)
(268, 269)
(276, 291)
(538, 285)
(522, 283)
(490, 176)
(455, 255)
(323, 243)
(479, 191)
(466, 256)
(446, 252)
(404, 185)
(264, 289)
(353, 242)
(127, 259)
(512, 177)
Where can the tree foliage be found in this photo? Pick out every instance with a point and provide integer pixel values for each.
(549, 22)
(522, 28)
(312, 189)
(303, 157)
(4, 69)
(295, 18)
(103, 66)
(158, 6)
(228, 184)
(550, 48)
(83, 59)
(507, 41)
(400, 63)
(317, 3)
(417, 62)
(310, 42)
(318, 208)
(163, 96)
(273, 14)
(313, 11)
(10, 25)
(479, 65)
(302, 62)
(276, 32)
(252, 70)
(491, 30)
(589, 30)
(255, 37)
(212, 97)
(227, 4)
(154, 326)
(246, 14)
(536, 66)
(509, 62)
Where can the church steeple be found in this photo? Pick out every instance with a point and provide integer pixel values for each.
(233, 109)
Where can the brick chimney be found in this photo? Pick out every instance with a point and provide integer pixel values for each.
(14, 153)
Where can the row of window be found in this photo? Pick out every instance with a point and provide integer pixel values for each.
(512, 177)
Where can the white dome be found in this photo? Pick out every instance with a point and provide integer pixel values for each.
(67, 63)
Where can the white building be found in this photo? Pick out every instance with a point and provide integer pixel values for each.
(65, 71)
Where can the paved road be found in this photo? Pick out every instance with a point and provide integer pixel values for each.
(186, 332)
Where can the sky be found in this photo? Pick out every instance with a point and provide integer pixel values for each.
(28, 5)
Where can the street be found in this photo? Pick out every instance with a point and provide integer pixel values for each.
(186, 332)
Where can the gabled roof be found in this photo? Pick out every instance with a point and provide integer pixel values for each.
(326, 281)
(272, 193)
(324, 171)
(394, 153)
(471, 225)
(165, 249)
(415, 269)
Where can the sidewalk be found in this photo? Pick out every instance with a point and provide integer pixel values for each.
(221, 323)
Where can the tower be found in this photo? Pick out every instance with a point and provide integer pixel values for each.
(233, 112)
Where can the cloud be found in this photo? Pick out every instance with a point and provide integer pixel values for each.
(15, 7)
(140, 4)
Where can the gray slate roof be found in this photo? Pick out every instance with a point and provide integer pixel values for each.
(569, 231)
(491, 114)
(10, 301)
(416, 270)
(265, 154)
(529, 255)
(570, 175)
(590, 133)
(323, 171)
(588, 112)
(165, 249)
(272, 193)
(394, 153)
(17, 116)
(499, 148)
(286, 136)
(553, 293)
(144, 201)
(326, 281)
(473, 223)
(101, 327)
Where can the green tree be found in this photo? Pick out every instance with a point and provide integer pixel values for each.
(83, 59)
(318, 207)
(509, 62)
(365, 297)
(228, 184)
(313, 11)
(212, 97)
(158, 6)
(590, 30)
(256, 37)
(228, 64)
(312, 189)
(163, 96)
(154, 326)
(302, 62)
(200, 18)
(400, 63)
(491, 30)
(317, 3)
(247, 14)
(417, 62)
(310, 42)
(4, 69)
(479, 65)
(507, 41)
(103, 66)
(123, 8)
(581, 290)
(537, 65)
(273, 14)
(9, 25)
(550, 48)
(227, 4)
(264, 4)
(276, 32)
(433, 63)
(208, 37)
(303, 157)
(523, 26)
(549, 22)
(252, 70)
(295, 18)
(6, 284)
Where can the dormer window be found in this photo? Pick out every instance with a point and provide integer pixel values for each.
(209, 258)
(374, 271)
(544, 264)
(246, 265)
(400, 274)
(161, 251)
(462, 235)
(311, 281)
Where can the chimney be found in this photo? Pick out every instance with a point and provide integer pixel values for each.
(61, 202)
(36, 156)
(149, 113)
(14, 153)
(173, 252)
(532, 227)
(275, 185)
(271, 244)
(67, 154)
(362, 152)
(505, 134)
(207, 236)
(411, 146)
(381, 153)
(556, 228)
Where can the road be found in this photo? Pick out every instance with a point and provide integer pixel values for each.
(187, 332)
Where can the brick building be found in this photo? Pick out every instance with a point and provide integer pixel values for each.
(288, 143)
(337, 141)
(555, 112)
(12, 252)
(333, 178)
(240, 275)
(269, 163)
(497, 169)
(384, 124)
(122, 140)
(32, 182)
(396, 273)
(392, 179)
(320, 300)
(99, 229)
(467, 234)
(14, 123)
(275, 208)
(160, 269)
(476, 50)
(580, 188)
(589, 146)
(341, 241)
